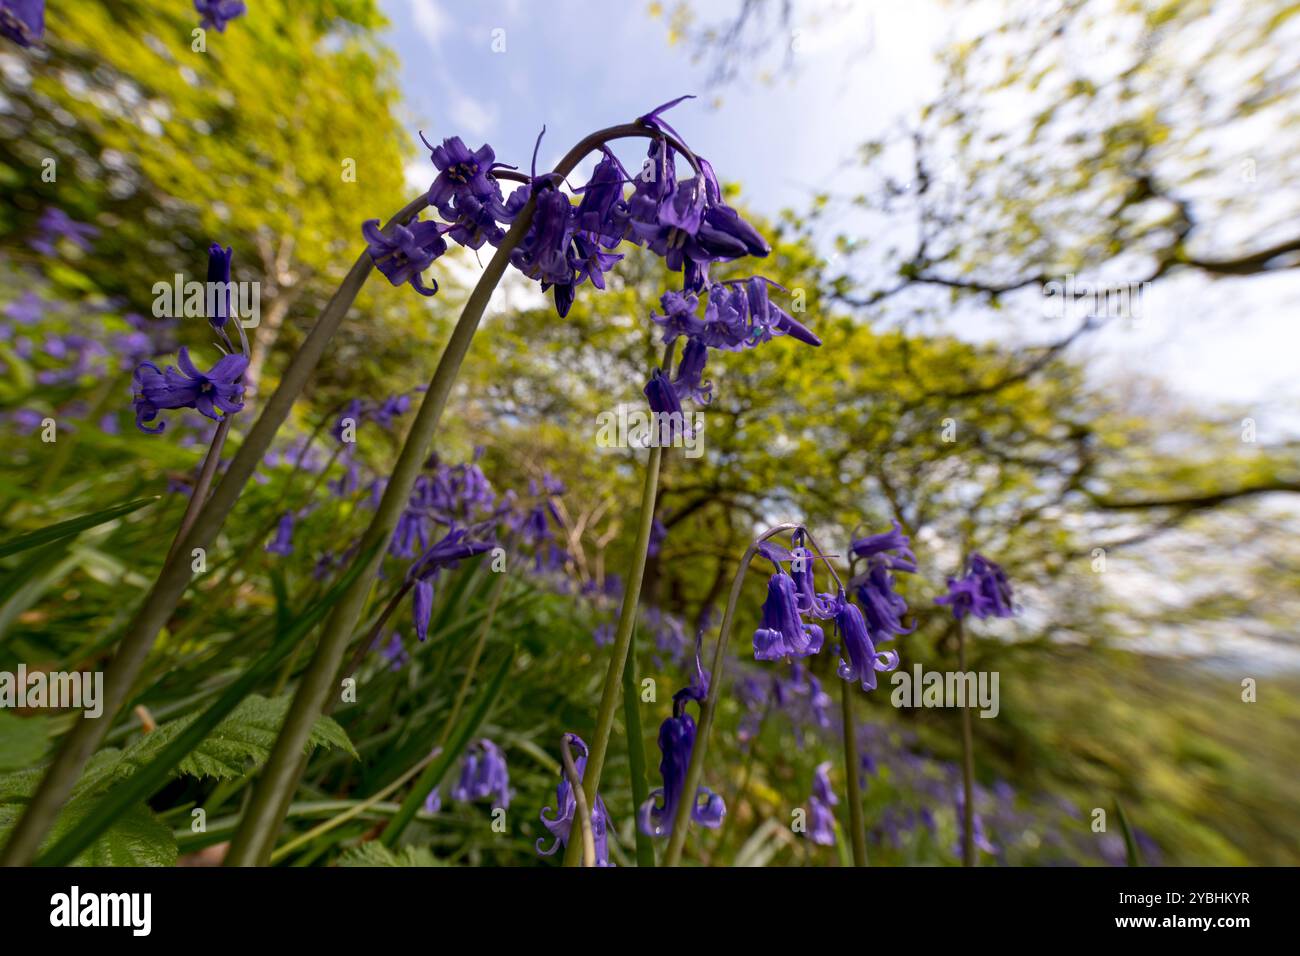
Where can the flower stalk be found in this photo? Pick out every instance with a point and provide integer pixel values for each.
(253, 841)
(84, 739)
(623, 635)
(583, 813)
(967, 763)
(695, 770)
(857, 827)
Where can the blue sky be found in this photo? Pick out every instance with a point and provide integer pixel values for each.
(497, 70)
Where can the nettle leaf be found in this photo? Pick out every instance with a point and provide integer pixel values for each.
(135, 838)
(240, 743)
(22, 740)
(375, 853)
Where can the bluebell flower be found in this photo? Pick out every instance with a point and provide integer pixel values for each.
(884, 554)
(405, 252)
(984, 591)
(658, 532)
(217, 13)
(462, 175)
(282, 543)
(782, 633)
(676, 740)
(214, 393)
(219, 271)
(54, 224)
(560, 820)
(23, 21)
(455, 546)
(859, 659)
(821, 819)
(543, 253)
(484, 776)
(689, 382)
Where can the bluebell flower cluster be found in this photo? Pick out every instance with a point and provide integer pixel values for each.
(983, 591)
(783, 634)
(484, 776)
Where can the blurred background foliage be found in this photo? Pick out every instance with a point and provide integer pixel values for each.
(1152, 549)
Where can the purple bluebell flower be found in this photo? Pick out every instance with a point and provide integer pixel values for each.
(984, 591)
(455, 546)
(689, 382)
(560, 821)
(55, 224)
(821, 819)
(217, 13)
(406, 252)
(676, 739)
(282, 543)
(394, 652)
(602, 210)
(484, 776)
(782, 633)
(863, 660)
(219, 271)
(603, 635)
(663, 398)
(884, 608)
(22, 21)
(217, 391)
(462, 174)
(543, 252)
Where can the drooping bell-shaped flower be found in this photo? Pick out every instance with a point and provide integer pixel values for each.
(462, 174)
(484, 776)
(213, 394)
(859, 659)
(455, 546)
(689, 382)
(219, 272)
(821, 819)
(217, 13)
(676, 740)
(782, 633)
(560, 821)
(883, 607)
(405, 251)
(23, 21)
(282, 543)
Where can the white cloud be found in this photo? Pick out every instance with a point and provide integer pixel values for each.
(469, 116)
(430, 21)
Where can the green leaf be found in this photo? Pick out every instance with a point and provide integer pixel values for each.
(1130, 844)
(64, 529)
(375, 853)
(22, 740)
(190, 736)
(240, 743)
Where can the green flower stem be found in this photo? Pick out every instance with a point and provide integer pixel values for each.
(645, 851)
(252, 843)
(498, 588)
(81, 743)
(967, 764)
(582, 812)
(201, 487)
(857, 829)
(695, 769)
(623, 636)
